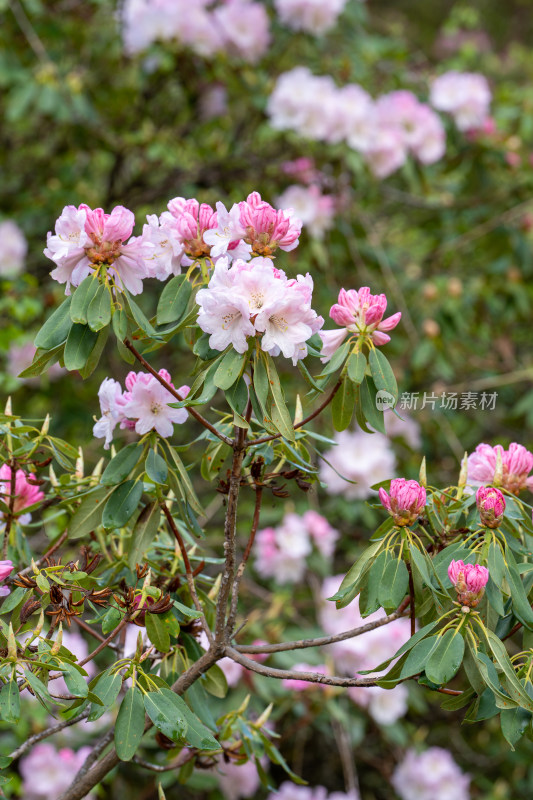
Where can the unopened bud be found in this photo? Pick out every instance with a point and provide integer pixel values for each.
(8, 411)
(491, 506)
(298, 413)
(40, 625)
(463, 475)
(97, 471)
(11, 644)
(53, 477)
(78, 469)
(46, 425)
(498, 471)
(56, 647)
(422, 475)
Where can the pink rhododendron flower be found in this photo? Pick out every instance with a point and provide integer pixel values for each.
(298, 685)
(186, 222)
(312, 16)
(385, 706)
(238, 780)
(431, 775)
(192, 24)
(6, 567)
(469, 581)
(247, 299)
(143, 406)
(420, 129)
(517, 463)
(323, 535)
(225, 238)
(298, 103)
(405, 502)
(13, 249)
(491, 506)
(86, 239)
(47, 772)
(314, 209)
(244, 27)
(464, 95)
(386, 152)
(291, 791)
(266, 229)
(26, 494)
(359, 313)
(168, 249)
(364, 458)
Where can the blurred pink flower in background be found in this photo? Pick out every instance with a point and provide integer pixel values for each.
(291, 791)
(13, 249)
(312, 16)
(366, 458)
(314, 209)
(237, 780)
(25, 495)
(464, 95)
(6, 567)
(47, 772)
(245, 28)
(297, 685)
(431, 775)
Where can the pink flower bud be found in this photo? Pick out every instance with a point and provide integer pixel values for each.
(469, 581)
(491, 506)
(405, 502)
(5, 568)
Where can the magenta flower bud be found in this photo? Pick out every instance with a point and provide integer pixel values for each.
(5, 568)
(469, 581)
(491, 506)
(405, 502)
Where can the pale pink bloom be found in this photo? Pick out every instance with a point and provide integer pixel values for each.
(26, 494)
(312, 16)
(224, 238)
(316, 210)
(298, 685)
(266, 229)
(214, 102)
(323, 535)
(281, 552)
(291, 791)
(238, 780)
(244, 27)
(47, 772)
(406, 501)
(148, 404)
(366, 458)
(188, 221)
(360, 313)
(67, 247)
(233, 672)
(385, 706)
(431, 775)
(301, 169)
(491, 506)
(517, 463)
(192, 24)
(298, 103)
(168, 250)
(386, 152)
(6, 567)
(109, 395)
(464, 95)
(13, 249)
(420, 128)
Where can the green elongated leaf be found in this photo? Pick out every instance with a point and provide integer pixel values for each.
(141, 319)
(237, 396)
(96, 352)
(129, 727)
(261, 384)
(394, 586)
(38, 686)
(490, 676)
(185, 481)
(202, 349)
(368, 399)
(156, 467)
(354, 573)
(99, 310)
(120, 324)
(80, 342)
(166, 716)
(342, 405)
(55, 330)
(229, 369)
(197, 734)
(122, 504)
(417, 657)
(494, 596)
(157, 632)
(82, 298)
(122, 464)
(215, 682)
(14, 599)
(107, 689)
(41, 360)
(279, 413)
(213, 459)
(514, 723)
(405, 648)
(89, 514)
(515, 688)
(356, 367)
(337, 359)
(521, 604)
(10, 702)
(308, 378)
(110, 620)
(446, 657)
(144, 533)
(174, 300)
(382, 373)
(375, 580)
(76, 683)
(496, 563)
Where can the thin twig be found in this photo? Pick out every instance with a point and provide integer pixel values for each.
(38, 737)
(246, 556)
(106, 641)
(184, 757)
(192, 411)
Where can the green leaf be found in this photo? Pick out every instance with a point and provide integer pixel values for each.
(99, 311)
(515, 688)
(10, 702)
(368, 405)
(418, 656)
(446, 657)
(356, 367)
(185, 481)
(41, 360)
(165, 715)
(342, 405)
(96, 352)
(144, 533)
(157, 632)
(394, 586)
(156, 467)
(129, 727)
(197, 734)
(229, 369)
(521, 604)
(279, 412)
(382, 373)
(122, 504)
(89, 514)
(174, 300)
(122, 464)
(110, 620)
(142, 321)
(107, 689)
(375, 581)
(55, 330)
(350, 580)
(215, 682)
(514, 722)
(82, 298)
(261, 384)
(80, 342)
(120, 324)
(76, 683)
(337, 359)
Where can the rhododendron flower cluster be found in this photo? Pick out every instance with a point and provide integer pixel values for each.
(86, 240)
(312, 16)
(290, 791)
(26, 493)
(431, 775)
(516, 464)
(47, 772)
(469, 581)
(362, 458)
(314, 209)
(383, 131)
(143, 406)
(405, 502)
(256, 299)
(281, 552)
(464, 95)
(13, 249)
(6, 567)
(491, 506)
(240, 28)
(361, 314)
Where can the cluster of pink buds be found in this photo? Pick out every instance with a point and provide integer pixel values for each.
(405, 502)
(491, 506)
(469, 581)
(26, 492)
(5, 568)
(361, 314)
(507, 468)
